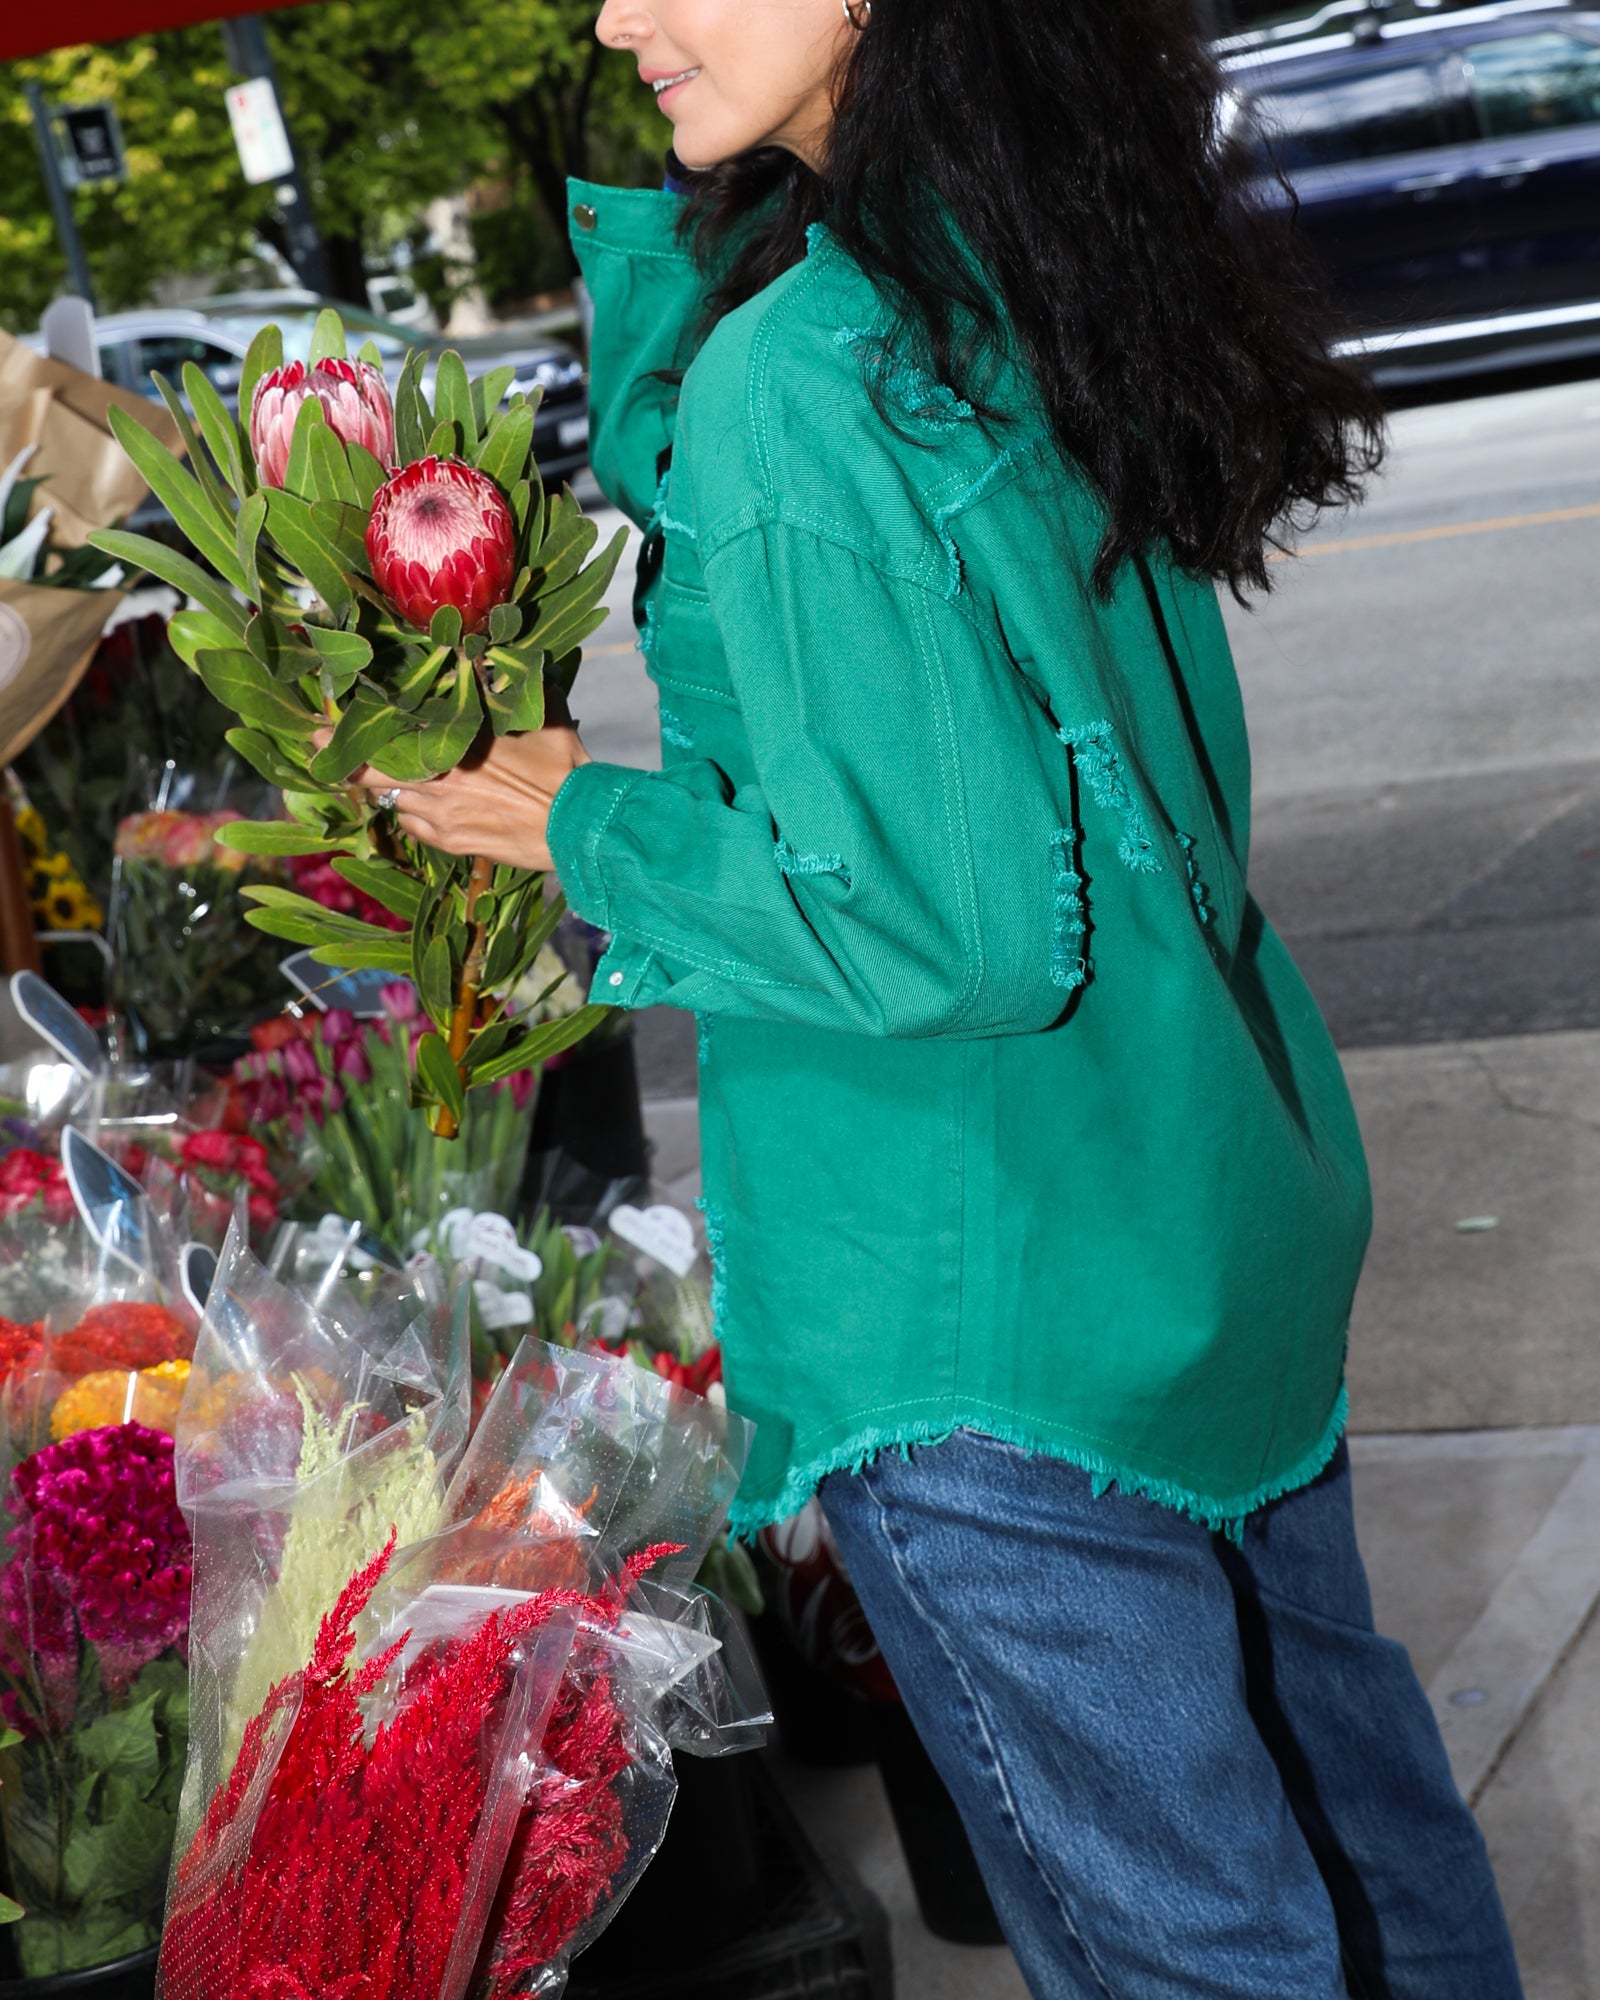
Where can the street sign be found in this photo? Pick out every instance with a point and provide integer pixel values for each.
(89, 144)
(258, 131)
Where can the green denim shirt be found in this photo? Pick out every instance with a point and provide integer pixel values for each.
(1015, 1114)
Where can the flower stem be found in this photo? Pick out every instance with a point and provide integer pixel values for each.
(466, 1012)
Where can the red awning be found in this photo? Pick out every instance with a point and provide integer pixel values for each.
(30, 31)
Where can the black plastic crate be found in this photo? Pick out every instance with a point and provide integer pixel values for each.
(790, 1928)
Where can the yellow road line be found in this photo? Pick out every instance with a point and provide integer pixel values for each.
(600, 652)
(1353, 543)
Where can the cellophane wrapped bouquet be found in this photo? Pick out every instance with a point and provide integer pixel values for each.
(389, 584)
(434, 1695)
(94, 1613)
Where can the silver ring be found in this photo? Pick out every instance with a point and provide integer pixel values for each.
(387, 801)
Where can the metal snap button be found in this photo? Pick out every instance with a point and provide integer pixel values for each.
(616, 978)
(584, 216)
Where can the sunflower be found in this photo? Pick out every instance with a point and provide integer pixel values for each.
(33, 833)
(68, 906)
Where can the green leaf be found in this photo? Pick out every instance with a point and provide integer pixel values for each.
(181, 571)
(331, 477)
(278, 649)
(252, 520)
(327, 338)
(446, 627)
(213, 486)
(217, 427)
(386, 951)
(411, 685)
(436, 984)
(240, 682)
(565, 549)
(503, 456)
(10, 1912)
(561, 613)
(452, 399)
(364, 729)
(519, 704)
(444, 440)
(371, 353)
(189, 631)
(263, 755)
(403, 760)
(290, 525)
(540, 1043)
(488, 392)
(207, 526)
(120, 1858)
(265, 353)
(450, 724)
(297, 473)
(412, 418)
(124, 1743)
(398, 892)
(344, 528)
(344, 652)
(367, 473)
(438, 1075)
(521, 501)
(276, 836)
(505, 622)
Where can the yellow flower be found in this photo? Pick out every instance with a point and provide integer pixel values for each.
(68, 906)
(51, 867)
(34, 834)
(114, 1396)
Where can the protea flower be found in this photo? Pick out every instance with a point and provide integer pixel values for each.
(354, 399)
(441, 533)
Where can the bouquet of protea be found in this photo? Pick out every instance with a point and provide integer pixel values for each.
(395, 582)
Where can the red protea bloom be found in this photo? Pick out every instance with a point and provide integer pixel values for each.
(354, 399)
(441, 533)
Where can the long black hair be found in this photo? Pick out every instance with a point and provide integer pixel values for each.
(1174, 328)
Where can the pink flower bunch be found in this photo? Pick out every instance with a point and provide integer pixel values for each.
(299, 1078)
(354, 399)
(314, 876)
(177, 839)
(101, 1550)
(27, 1177)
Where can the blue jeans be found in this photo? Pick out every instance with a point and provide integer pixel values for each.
(1190, 1771)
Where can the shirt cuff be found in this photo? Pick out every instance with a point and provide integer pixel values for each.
(584, 807)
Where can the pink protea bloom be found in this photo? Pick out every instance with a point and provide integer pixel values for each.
(441, 533)
(354, 399)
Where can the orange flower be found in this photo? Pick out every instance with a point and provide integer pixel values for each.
(114, 1396)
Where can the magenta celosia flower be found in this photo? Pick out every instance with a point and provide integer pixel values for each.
(441, 533)
(100, 1546)
(354, 399)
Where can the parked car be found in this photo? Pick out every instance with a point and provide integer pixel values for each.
(1446, 167)
(216, 333)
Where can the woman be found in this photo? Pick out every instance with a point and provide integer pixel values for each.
(946, 398)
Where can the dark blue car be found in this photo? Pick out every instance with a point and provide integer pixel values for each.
(1447, 170)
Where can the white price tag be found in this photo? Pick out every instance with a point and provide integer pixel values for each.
(497, 1308)
(455, 1227)
(492, 1240)
(585, 1242)
(607, 1320)
(662, 1232)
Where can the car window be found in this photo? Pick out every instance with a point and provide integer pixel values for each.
(298, 325)
(1363, 117)
(1534, 83)
(165, 354)
(114, 363)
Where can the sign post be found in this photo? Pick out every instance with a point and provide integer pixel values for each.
(266, 151)
(56, 187)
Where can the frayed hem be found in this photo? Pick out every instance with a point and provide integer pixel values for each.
(1227, 1517)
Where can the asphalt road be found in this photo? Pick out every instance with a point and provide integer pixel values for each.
(1423, 687)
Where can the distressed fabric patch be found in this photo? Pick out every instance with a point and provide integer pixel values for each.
(1001, 462)
(649, 631)
(716, 1244)
(1198, 893)
(792, 862)
(1094, 752)
(676, 731)
(702, 1038)
(659, 507)
(912, 390)
(1069, 968)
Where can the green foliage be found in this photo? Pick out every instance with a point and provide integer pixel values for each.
(324, 694)
(392, 103)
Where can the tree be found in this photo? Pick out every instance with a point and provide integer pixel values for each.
(392, 103)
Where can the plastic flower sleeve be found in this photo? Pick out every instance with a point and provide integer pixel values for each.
(312, 1430)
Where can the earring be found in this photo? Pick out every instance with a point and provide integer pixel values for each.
(859, 14)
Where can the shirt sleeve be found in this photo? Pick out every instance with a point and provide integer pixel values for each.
(897, 867)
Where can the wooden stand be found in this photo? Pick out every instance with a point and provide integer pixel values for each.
(19, 948)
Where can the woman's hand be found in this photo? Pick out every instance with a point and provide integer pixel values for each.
(496, 803)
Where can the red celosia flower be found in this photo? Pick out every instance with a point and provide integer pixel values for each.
(27, 1176)
(20, 1346)
(441, 533)
(330, 1866)
(210, 1149)
(122, 1334)
(101, 1540)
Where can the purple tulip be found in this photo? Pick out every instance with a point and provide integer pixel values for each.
(338, 1026)
(351, 1062)
(400, 1001)
(300, 1064)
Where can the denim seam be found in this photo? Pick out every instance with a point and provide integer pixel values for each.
(995, 1766)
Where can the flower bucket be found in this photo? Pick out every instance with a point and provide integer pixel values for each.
(125, 1979)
